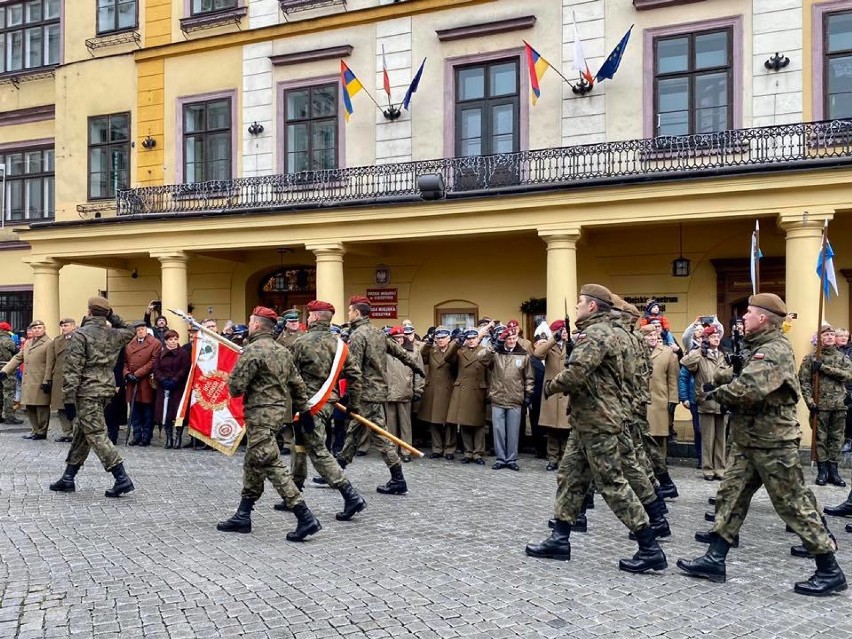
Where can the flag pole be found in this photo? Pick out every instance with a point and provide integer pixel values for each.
(756, 258)
(818, 354)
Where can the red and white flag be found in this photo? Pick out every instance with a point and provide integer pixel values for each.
(385, 76)
(214, 416)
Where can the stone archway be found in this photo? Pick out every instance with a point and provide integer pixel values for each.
(288, 287)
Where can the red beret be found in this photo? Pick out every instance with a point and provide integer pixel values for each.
(397, 330)
(268, 313)
(319, 305)
(5, 326)
(359, 299)
(709, 330)
(512, 323)
(558, 325)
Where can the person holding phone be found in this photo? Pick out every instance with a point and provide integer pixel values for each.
(695, 330)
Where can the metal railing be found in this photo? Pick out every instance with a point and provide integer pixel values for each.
(772, 148)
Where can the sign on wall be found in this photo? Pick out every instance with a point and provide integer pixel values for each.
(384, 302)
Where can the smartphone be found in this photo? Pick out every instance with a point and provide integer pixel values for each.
(707, 319)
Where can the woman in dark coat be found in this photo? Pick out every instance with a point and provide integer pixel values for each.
(171, 368)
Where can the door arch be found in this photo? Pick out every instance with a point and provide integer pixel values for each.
(288, 287)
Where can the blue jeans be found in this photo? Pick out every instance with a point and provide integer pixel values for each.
(507, 429)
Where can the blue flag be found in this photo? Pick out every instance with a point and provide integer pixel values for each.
(413, 86)
(830, 276)
(610, 65)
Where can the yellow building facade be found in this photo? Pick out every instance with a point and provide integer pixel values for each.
(221, 126)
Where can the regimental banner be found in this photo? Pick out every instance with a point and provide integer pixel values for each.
(384, 302)
(213, 416)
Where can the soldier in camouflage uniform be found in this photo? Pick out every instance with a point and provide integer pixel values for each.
(368, 347)
(271, 387)
(835, 371)
(8, 349)
(313, 354)
(88, 385)
(593, 378)
(765, 453)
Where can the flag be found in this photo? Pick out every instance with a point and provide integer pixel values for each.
(830, 275)
(579, 58)
(537, 66)
(214, 416)
(610, 65)
(385, 76)
(412, 88)
(351, 85)
(756, 254)
(320, 398)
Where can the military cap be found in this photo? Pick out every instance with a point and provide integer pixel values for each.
(35, 323)
(138, 323)
(290, 315)
(268, 313)
(359, 299)
(617, 302)
(769, 302)
(826, 328)
(710, 330)
(408, 329)
(5, 326)
(557, 325)
(442, 331)
(471, 333)
(396, 330)
(598, 292)
(513, 323)
(648, 329)
(67, 320)
(319, 305)
(99, 306)
(632, 310)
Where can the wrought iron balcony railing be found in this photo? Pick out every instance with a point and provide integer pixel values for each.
(772, 148)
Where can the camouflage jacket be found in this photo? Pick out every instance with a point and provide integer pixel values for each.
(592, 377)
(835, 373)
(287, 339)
(90, 358)
(367, 349)
(313, 353)
(763, 398)
(266, 376)
(8, 348)
(637, 375)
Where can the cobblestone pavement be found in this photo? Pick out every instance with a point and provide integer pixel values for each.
(447, 560)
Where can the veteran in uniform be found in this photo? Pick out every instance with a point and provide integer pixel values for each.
(88, 385)
(593, 378)
(765, 451)
(271, 387)
(554, 409)
(54, 377)
(470, 389)
(33, 394)
(404, 388)
(440, 358)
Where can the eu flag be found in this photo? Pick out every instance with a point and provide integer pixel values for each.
(415, 83)
(610, 65)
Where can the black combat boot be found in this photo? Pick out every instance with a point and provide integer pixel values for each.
(122, 483)
(822, 473)
(664, 509)
(849, 528)
(589, 501)
(241, 521)
(658, 522)
(712, 564)
(668, 490)
(306, 525)
(841, 510)
(557, 546)
(834, 477)
(827, 579)
(581, 524)
(170, 436)
(352, 502)
(711, 501)
(396, 485)
(649, 557)
(710, 516)
(65, 484)
(178, 440)
(707, 537)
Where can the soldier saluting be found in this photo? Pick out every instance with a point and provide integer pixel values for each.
(766, 435)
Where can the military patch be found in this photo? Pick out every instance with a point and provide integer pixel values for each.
(758, 356)
(519, 362)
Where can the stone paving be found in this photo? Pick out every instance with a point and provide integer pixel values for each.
(447, 560)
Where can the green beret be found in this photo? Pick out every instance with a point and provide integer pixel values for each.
(769, 302)
(598, 292)
(99, 306)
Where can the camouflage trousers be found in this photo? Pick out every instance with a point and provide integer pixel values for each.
(597, 457)
(830, 430)
(313, 445)
(375, 412)
(90, 434)
(779, 470)
(652, 450)
(263, 459)
(641, 450)
(8, 397)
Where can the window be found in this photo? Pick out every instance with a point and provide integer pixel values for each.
(487, 108)
(453, 318)
(116, 15)
(693, 83)
(29, 184)
(29, 35)
(310, 138)
(208, 6)
(109, 155)
(837, 63)
(16, 307)
(207, 140)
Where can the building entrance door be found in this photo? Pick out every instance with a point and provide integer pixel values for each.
(733, 284)
(289, 287)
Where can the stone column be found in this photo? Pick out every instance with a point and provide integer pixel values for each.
(173, 275)
(46, 293)
(561, 270)
(330, 276)
(804, 242)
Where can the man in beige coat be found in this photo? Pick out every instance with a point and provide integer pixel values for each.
(33, 394)
(440, 356)
(403, 387)
(554, 409)
(664, 373)
(53, 376)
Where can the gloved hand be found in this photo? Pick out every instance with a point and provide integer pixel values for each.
(816, 365)
(3, 376)
(527, 401)
(130, 378)
(416, 398)
(306, 421)
(353, 409)
(47, 387)
(114, 320)
(460, 338)
(812, 408)
(708, 387)
(737, 362)
(70, 412)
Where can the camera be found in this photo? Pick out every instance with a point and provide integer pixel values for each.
(157, 305)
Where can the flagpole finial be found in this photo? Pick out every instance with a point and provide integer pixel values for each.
(582, 87)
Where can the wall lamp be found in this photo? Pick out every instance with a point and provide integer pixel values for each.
(149, 143)
(255, 128)
(431, 186)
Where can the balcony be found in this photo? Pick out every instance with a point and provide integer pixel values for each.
(766, 149)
